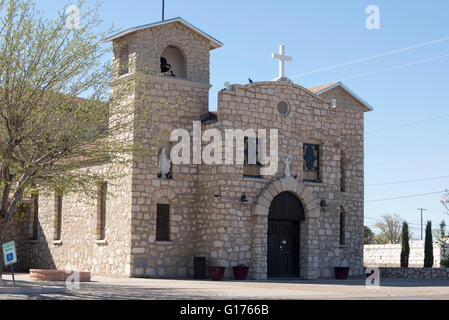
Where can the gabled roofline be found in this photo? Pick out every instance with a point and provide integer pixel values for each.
(340, 84)
(215, 44)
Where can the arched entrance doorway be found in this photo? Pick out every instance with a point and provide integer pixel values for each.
(284, 218)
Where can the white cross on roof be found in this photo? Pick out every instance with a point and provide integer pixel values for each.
(282, 58)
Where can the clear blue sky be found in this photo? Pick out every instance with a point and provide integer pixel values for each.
(324, 33)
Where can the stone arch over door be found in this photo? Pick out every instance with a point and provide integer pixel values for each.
(261, 209)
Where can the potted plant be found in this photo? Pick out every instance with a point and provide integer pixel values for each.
(240, 272)
(342, 272)
(216, 273)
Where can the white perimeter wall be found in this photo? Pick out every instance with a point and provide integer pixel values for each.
(389, 255)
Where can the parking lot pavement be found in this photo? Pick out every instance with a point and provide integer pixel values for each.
(102, 288)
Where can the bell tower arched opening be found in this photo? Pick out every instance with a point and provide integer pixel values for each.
(173, 62)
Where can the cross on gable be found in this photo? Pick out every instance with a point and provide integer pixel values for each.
(282, 59)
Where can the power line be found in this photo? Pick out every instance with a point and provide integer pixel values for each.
(406, 197)
(400, 165)
(409, 124)
(392, 68)
(383, 220)
(406, 181)
(371, 57)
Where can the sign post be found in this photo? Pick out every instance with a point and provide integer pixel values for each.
(10, 257)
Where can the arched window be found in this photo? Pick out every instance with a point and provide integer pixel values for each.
(123, 59)
(342, 226)
(173, 62)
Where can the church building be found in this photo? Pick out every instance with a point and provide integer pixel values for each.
(299, 223)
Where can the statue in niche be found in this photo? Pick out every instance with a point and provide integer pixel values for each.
(287, 171)
(164, 165)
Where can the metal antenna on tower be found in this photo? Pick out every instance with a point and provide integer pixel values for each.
(163, 10)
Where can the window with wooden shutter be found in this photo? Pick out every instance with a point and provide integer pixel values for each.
(343, 172)
(35, 226)
(58, 218)
(163, 222)
(342, 227)
(101, 211)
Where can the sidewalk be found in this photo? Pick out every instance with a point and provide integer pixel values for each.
(102, 288)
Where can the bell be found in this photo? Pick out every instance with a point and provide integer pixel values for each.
(165, 67)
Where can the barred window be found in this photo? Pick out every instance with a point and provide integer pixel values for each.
(311, 162)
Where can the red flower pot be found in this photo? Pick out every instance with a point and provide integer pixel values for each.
(240, 273)
(216, 273)
(341, 273)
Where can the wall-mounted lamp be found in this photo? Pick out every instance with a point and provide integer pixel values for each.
(323, 204)
(244, 199)
(217, 195)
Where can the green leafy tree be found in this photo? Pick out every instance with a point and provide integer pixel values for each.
(368, 235)
(49, 138)
(443, 241)
(405, 246)
(390, 229)
(428, 246)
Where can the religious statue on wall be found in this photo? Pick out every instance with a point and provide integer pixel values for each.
(164, 165)
(287, 171)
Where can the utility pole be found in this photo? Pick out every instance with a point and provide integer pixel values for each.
(421, 209)
(163, 10)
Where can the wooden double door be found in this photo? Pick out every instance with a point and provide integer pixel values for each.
(286, 214)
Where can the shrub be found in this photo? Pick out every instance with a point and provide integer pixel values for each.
(428, 247)
(405, 250)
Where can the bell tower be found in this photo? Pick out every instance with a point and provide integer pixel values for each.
(172, 48)
(171, 61)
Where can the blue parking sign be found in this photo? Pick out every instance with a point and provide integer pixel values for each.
(9, 253)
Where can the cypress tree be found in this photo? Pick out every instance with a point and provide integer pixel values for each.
(405, 247)
(428, 247)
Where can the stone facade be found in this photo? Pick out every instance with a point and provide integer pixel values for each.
(79, 247)
(414, 273)
(224, 230)
(389, 255)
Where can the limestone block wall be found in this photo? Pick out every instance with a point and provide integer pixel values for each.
(414, 273)
(79, 248)
(224, 225)
(175, 104)
(389, 255)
